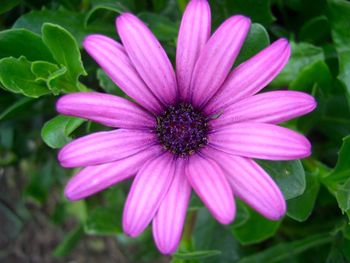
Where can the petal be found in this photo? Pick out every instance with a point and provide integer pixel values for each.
(211, 185)
(251, 76)
(269, 107)
(193, 34)
(147, 192)
(93, 179)
(261, 141)
(111, 56)
(106, 109)
(217, 57)
(169, 220)
(252, 184)
(104, 147)
(148, 57)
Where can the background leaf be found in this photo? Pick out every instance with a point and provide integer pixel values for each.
(339, 12)
(257, 39)
(56, 132)
(289, 175)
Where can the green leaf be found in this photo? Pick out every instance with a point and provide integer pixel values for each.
(103, 221)
(105, 217)
(7, 5)
(21, 42)
(315, 30)
(14, 108)
(256, 40)
(77, 209)
(284, 252)
(338, 181)
(289, 175)
(303, 54)
(342, 193)
(56, 132)
(196, 254)
(17, 77)
(300, 208)
(64, 49)
(242, 214)
(112, 6)
(256, 229)
(69, 242)
(315, 75)
(57, 79)
(258, 10)
(339, 13)
(34, 21)
(43, 69)
(161, 26)
(107, 84)
(341, 173)
(208, 234)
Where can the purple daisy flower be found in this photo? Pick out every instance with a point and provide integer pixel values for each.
(197, 129)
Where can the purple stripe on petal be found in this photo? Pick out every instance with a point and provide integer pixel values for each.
(252, 184)
(216, 59)
(148, 57)
(93, 179)
(193, 34)
(111, 56)
(269, 107)
(106, 109)
(149, 188)
(251, 76)
(211, 185)
(261, 141)
(104, 147)
(169, 220)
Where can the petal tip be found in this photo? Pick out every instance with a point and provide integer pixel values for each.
(124, 16)
(129, 231)
(243, 19)
(166, 250)
(277, 214)
(60, 104)
(226, 218)
(70, 194)
(62, 159)
(313, 103)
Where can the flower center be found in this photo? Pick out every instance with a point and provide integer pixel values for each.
(182, 129)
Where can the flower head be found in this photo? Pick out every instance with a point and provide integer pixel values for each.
(197, 129)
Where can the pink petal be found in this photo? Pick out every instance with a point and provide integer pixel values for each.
(217, 57)
(251, 76)
(211, 185)
(252, 184)
(106, 109)
(261, 141)
(104, 147)
(93, 179)
(148, 57)
(193, 34)
(269, 107)
(111, 56)
(147, 192)
(169, 220)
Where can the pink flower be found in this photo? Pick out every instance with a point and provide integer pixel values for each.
(199, 128)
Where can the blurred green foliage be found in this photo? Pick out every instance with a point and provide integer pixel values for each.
(41, 57)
